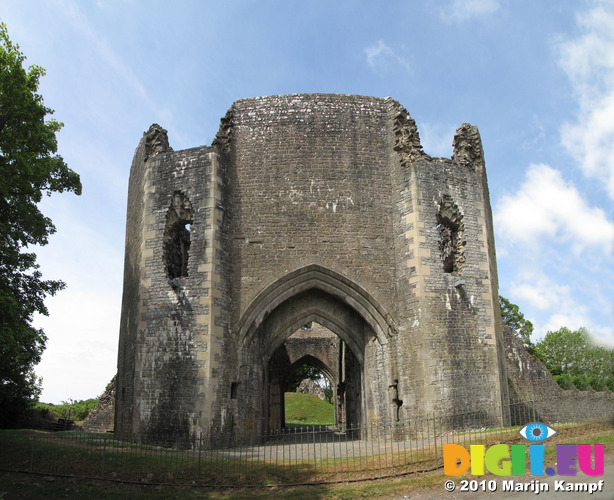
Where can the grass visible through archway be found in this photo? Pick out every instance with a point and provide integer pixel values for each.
(307, 409)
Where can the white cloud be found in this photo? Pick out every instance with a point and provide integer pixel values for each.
(575, 319)
(571, 319)
(550, 305)
(83, 322)
(381, 58)
(589, 62)
(462, 10)
(541, 293)
(546, 206)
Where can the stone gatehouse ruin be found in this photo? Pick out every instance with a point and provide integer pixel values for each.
(307, 210)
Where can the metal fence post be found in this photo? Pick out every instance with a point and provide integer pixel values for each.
(315, 460)
(435, 436)
(32, 456)
(200, 447)
(104, 453)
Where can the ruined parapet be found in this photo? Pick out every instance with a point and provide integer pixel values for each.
(102, 418)
(467, 147)
(531, 384)
(308, 386)
(156, 141)
(406, 136)
(223, 137)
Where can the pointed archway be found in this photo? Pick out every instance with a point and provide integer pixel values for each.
(316, 294)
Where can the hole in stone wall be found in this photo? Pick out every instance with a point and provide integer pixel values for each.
(233, 390)
(177, 251)
(451, 235)
(177, 236)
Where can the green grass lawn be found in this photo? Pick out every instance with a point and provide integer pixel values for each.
(307, 409)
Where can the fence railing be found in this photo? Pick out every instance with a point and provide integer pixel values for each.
(296, 455)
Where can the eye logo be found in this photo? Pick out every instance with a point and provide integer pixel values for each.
(536, 432)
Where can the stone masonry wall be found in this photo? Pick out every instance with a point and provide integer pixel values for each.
(309, 183)
(306, 208)
(448, 346)
(163, 366)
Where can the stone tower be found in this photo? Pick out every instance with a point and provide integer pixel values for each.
(307, 209)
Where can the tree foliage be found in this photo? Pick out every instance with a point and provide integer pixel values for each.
(571, 356)
(512, 317)
(29, 168)
(73, 410)
(573, 353)
(302, 372)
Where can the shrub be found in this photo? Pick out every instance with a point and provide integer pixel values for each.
(597, 383)
(74, 410)
(51, 411)
(563, 380)
(581, 382)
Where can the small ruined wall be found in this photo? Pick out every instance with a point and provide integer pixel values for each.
(308, 386)
(530, 380)
(102, 418)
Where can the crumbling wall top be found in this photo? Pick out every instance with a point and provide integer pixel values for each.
(468, 147)
(156, 141)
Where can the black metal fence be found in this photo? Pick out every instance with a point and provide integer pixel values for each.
(298, 455)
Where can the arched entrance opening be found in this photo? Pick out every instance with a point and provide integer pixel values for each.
(318, 307)
(274, 340)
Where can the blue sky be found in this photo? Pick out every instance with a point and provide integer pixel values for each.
(537, 78)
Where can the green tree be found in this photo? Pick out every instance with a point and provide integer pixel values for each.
(573, 353)
(564, 381)
(29, 168)
(512, 317)
(302, 372)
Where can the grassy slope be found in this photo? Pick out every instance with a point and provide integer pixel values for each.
(308, 410)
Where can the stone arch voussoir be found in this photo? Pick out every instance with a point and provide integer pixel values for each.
(326, 280)
(324, 317)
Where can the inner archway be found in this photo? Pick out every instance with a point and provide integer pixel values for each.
(308, 395)
(316, 346)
